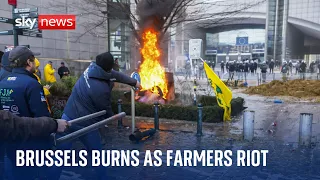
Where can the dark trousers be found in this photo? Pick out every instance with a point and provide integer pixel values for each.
(91, 141)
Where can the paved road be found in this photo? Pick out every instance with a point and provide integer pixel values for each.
(285, 160)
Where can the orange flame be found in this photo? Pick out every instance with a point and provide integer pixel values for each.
(151, 72)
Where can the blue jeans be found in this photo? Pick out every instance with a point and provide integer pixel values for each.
(91, 141)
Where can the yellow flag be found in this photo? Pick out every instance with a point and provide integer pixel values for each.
(223, 93)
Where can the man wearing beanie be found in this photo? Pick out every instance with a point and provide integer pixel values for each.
(92, 93)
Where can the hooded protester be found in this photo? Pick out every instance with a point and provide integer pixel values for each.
(5, 66)
(49, 73)
(92, 93)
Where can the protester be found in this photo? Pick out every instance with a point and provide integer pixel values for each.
(63, 70)
(15, 128)
(231, 69)
(251, 67)
(285, 70)
(290, 66)
(116, 66)
(92, 93)
(241, 70)
(313, 67)
(24, 96)
(201, 70)
(222, 66)
(227, 66)
(5, 66)
(49, 73)
(271, 66)
(264, 69)
(20, 129)
(188, 70)
(255, 64)
(246, 68)
(298, 67)
(302, 70)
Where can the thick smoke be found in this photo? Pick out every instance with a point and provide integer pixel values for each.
(153, 12)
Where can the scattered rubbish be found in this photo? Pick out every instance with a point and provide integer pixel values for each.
(270, 131)
(274, 124)
(277, 101)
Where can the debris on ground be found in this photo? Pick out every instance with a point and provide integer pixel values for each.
(296, 88)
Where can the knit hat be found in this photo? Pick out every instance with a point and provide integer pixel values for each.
(105, 61)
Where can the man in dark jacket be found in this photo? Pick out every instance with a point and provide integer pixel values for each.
(264, 69)
(22, 95)
(222, 66)
(15, 128)
(5, 66)
(92, 93)
(303, 69)
(63, 70)
(20, 129)
(271, 66)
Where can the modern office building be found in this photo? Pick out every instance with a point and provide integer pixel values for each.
(72, 44)
(291, 27)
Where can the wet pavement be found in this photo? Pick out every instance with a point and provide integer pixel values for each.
(285, 160)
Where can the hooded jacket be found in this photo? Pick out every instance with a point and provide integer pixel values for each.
(92, 93)
(5, 69)
(49, 74)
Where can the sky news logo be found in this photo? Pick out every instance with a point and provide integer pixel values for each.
(48, 22)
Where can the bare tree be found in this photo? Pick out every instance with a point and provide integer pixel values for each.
(159, 14)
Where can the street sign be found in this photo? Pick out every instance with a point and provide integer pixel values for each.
(12, 2)
(6, 20)
(8, 32)
(28, 15)
(136, 76)
(195, 48)
(25, 10)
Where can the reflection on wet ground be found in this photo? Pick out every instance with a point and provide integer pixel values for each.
(286, 160)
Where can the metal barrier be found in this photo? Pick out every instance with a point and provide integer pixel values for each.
(87, 117)
(85, 130)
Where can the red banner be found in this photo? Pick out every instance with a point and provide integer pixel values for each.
(12, 2)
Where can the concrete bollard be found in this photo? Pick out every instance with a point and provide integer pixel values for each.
(199, 124)
(248, 125)
(305, 129)
(120, 125)
(156, 115)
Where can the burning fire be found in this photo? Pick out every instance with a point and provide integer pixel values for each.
(151, 72)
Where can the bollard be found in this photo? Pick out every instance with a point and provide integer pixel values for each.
(248, 125)
(199, 124)
(305, 129)
(119, 111)
(258, 78)
(156, 115)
